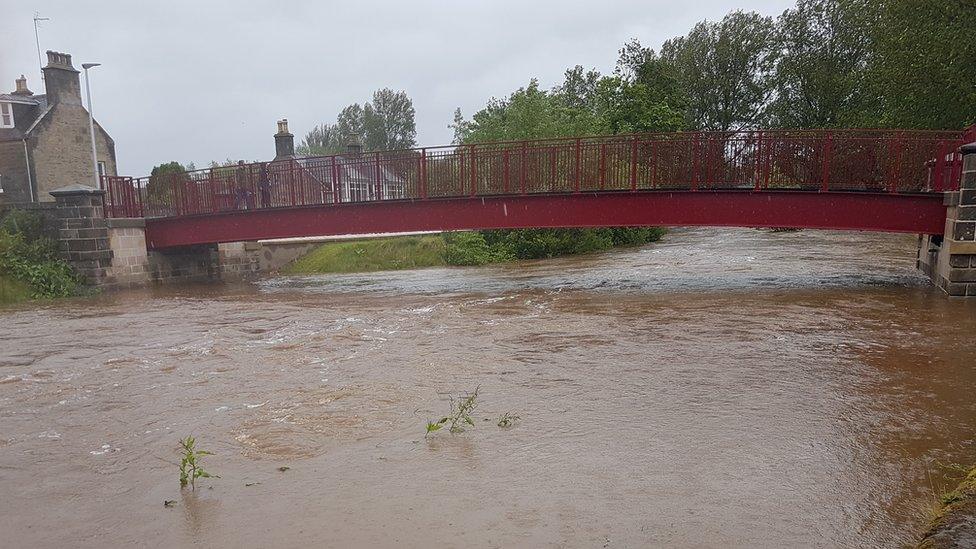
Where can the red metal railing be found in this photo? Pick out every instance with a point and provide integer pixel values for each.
(879, 161)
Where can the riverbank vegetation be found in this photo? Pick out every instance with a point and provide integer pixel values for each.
(465, 248)
(952, 524)
(29, 264)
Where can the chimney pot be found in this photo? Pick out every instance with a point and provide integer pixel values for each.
(354, 145)
(61, 80)
(284, 141)
(22, 87)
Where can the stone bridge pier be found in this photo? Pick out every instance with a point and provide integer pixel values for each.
(949, 260)
(111, 252)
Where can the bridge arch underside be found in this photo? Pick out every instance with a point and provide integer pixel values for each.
(857, 211)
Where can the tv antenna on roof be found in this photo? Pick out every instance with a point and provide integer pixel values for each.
(37, 40)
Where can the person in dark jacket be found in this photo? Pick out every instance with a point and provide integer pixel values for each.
(264, 187)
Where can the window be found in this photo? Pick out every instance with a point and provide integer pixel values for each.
(101, 168)
(6, 115)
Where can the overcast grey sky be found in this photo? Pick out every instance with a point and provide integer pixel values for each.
(206, 80)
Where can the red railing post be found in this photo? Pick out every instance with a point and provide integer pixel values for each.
(653, 163)
(603, 166)
(899, 144)
(379, 179)
(553, 156)
(522, 169)
(633, 165)
(423, 174)
(828, 148)
(506, 184)
(462, 180)
(695, 151)
(579, 159)
(474, 172)
(336, 195)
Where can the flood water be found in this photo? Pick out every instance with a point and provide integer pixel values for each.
(722, 388)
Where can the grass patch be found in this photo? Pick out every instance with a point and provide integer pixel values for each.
(465, 248)
(375, 254)
(13, 291)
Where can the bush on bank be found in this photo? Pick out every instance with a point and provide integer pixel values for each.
(464, 248)
(506, 245)
(29, 262)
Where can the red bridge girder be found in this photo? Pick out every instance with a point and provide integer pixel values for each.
(858, 211)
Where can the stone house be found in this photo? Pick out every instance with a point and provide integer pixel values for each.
(357, 172)
(45, 140)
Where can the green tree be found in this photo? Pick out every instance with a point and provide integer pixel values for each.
(324, 139)
(385, 123)
(819, 77)
(922, 64)
(388, 122)
(725, 68)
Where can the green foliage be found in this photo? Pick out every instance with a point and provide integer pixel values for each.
(162, 179)
(922, 63)
(385, 123)
(29, 225)
(820, 76)
(30, 258)
(470, 248)
(726, 68)
(545, 243)
(190, 466)
(507, 420)
(462, 407)
(13, 290)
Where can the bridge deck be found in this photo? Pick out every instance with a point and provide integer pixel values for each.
(911, 213)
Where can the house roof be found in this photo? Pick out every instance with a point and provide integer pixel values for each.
(22, 99)
(38, 108)
(353, 169)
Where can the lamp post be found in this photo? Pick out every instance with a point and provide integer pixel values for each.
(91, 122)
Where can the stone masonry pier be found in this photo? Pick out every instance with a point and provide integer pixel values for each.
(949, 260)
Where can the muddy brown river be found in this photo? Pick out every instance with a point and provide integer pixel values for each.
(722, 388)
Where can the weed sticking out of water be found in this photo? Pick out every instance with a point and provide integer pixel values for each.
(507, 420)
(462, 407)
(190, 467)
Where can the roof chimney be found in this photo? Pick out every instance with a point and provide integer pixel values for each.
(354, 145)
(61, 80)
(284, 141)
(22, 87)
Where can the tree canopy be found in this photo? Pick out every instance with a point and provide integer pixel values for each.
(384, 123)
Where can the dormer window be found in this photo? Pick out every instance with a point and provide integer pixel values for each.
(6, 115)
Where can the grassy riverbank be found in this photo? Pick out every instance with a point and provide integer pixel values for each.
(375, 254)
(954, 524)
(464, 248)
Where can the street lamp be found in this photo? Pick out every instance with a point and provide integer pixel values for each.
(91, 122)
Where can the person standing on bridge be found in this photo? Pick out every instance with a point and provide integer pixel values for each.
(264, 186)
(241, 193)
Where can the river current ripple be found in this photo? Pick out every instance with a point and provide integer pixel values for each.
(721, 388)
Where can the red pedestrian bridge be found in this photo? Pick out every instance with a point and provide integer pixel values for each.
(866, 180)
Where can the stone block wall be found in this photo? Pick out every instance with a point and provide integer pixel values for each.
(950, 260)
(83, 233)
(239, 260)
(130, 259)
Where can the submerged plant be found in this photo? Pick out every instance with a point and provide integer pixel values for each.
(461, 409)
(507, 420)
(190, 467)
